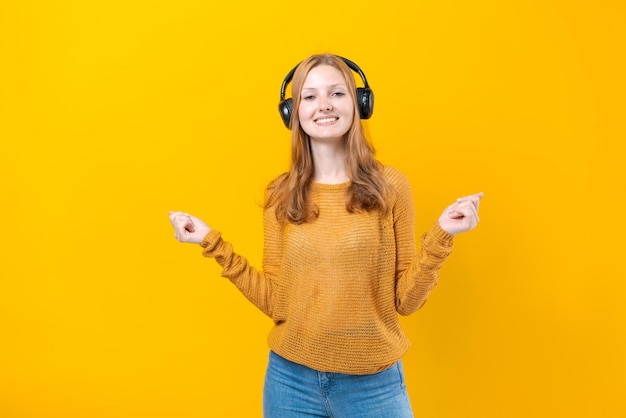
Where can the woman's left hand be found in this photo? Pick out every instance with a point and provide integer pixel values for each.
(462, 215)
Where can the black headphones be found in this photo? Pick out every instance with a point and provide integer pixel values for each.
(364, 96)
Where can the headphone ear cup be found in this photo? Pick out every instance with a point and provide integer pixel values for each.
(285, 108)
(365, 99)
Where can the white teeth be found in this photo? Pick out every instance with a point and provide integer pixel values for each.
(326, 120)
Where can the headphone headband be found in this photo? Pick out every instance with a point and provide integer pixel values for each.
(364, 95)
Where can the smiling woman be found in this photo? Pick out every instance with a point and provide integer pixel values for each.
(339, 260)
(113, 112)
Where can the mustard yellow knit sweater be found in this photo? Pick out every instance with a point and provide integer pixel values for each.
(334, 287)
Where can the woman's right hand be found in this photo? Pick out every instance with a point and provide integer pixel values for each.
(188, 228)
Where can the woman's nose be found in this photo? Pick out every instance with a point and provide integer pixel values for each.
(325, 105)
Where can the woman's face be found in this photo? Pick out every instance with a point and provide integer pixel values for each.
(326, 108)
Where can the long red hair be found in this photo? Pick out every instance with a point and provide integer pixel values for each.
(368, 189)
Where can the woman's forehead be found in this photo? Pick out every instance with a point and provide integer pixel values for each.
(323, 76)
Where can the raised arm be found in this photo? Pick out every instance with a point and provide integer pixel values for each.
(417, 273)
(256, 285)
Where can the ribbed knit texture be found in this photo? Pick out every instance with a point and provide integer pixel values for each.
(334, 286)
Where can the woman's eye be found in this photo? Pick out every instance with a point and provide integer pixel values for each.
(339, 93)
(308, 97)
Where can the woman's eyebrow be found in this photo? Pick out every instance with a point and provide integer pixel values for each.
(332, 86)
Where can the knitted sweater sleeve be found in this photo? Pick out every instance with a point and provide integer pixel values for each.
(258, 286)
(416, 273)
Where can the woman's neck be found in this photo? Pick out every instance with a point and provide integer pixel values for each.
(329, 165)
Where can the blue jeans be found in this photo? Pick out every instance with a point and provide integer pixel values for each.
(295, 391)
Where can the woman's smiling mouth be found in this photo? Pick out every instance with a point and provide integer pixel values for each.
(326, 120)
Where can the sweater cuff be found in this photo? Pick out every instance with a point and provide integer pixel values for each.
(437, 238)
(441, 234)
(210, 240)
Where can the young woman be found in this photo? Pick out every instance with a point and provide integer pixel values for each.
(340, 260)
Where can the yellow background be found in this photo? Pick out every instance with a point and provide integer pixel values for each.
(114, 112)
